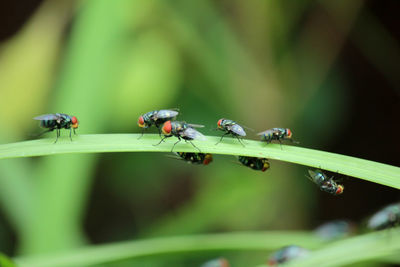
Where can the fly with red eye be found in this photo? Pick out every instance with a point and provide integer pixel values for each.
(278, 134)
(230, 128)
(157, 118)
(181, 130)
(325, 183)
(57, 122)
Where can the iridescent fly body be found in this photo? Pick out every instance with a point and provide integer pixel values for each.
(181, 130)
(258, 164)
(385, 218)
(196, 158)
(232, 128)
(157, 118)
(325, 183)
(57, 122)
(278, 134)
(286, 254)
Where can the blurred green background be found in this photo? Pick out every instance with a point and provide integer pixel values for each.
(329, 70)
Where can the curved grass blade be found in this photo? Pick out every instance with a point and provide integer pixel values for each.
(100, 143)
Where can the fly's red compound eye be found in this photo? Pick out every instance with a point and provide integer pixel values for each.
(166, 129)
(219, 123)
(141, 121)
(207, 159)
(74, 120)
(339, 190)
(289, 133)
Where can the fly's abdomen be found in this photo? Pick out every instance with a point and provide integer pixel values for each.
(48, 124)
(244, 160)
(268, 136)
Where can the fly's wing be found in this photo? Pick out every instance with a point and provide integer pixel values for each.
(237, 129)
(247, 128)
(191, 134)
(46, 117)
(174, 109)
(312, 173)
(166, 113)
(195, 125)
(278, 131)
(264, 133)
(175, 156)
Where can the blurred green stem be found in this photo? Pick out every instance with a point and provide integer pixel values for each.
(376, 245)
(152, 247)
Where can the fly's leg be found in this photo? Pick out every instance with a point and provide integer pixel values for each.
(70, 133)
(142, 134)
(58, 134)
(179, 139)
(240, 141)
(162, 140)
(221, 138)
(74, 132)
(194, 146)
(159, 130)
(280, 142)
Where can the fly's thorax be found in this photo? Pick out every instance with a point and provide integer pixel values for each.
(179, 126)
(225, 124)
(149, 117)
(146, 120)
(176, 127)
(279, 133)
(64, 122)
(258, 164)
(318, 177)
(330, 187)
(261, 164)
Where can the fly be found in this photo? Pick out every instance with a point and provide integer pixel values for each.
(230, 128)
(57, 122)
(181, 130)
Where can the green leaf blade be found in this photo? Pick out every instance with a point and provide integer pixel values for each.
(101, 143)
